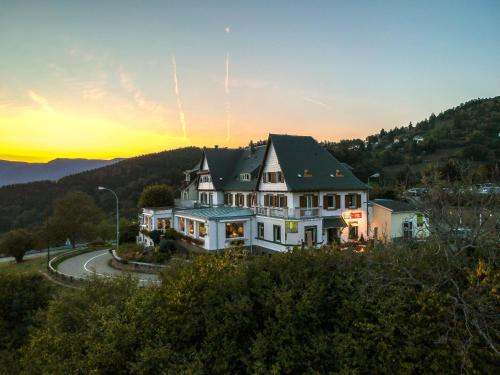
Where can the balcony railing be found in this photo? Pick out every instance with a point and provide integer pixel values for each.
(288, 212)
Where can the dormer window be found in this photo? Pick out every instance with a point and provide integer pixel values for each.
(339, 173)
(307, 173)
(205, 178)
(245, 177)
(273, 177)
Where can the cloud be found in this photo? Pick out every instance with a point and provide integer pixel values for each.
(182, 117)
(252, 84)
(137, 95)
(315, 101)
(40, 100)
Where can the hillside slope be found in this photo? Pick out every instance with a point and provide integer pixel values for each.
(15, 172)
(25, 205)
(468, 133)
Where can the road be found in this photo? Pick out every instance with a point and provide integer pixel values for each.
(40, 253)
(97, 262)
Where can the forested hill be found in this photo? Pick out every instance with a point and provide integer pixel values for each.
(25, 205)
(466, 133)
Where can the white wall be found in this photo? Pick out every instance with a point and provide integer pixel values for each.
(271, 164)
(397, 225)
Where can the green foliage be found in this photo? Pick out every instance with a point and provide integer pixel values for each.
(21, 296)
(156, 196)
(388, 311)
(155, 235)
(171, 234)
(16, 242)
(167, 246)
(75, 217)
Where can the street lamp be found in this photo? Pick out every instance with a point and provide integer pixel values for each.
(375, 175)
(117, 216)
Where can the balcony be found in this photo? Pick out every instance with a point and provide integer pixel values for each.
(288, 212)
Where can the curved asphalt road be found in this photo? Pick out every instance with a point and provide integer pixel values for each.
(97, 262)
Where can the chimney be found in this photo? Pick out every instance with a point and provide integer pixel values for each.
(216, 146)
(252, 147)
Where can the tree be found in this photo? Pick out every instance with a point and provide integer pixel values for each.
(16, 242)
(75, 217)
(156, 196)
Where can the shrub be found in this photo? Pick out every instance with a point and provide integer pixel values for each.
(167, 246)
(171, 234)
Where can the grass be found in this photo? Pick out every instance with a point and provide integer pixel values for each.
(28, 265)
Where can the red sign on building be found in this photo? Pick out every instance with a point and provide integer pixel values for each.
(355, 215)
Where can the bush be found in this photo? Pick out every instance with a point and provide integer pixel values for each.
(167, 246)
(171, 234)
(387, 311)
(98, 243)
(21, 297)
(155, 235)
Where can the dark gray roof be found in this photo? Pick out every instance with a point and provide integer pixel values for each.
(221, 162)
(395, 206)
(299, 153)
(249, 162)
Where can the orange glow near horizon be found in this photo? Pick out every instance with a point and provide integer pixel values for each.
(44, 134)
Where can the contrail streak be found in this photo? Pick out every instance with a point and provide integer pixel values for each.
(179, 103)
(228, 102)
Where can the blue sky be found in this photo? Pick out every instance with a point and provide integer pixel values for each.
(332, 69)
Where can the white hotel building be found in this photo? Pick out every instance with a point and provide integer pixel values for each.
(286, 193)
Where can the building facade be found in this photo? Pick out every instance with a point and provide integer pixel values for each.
(289, 192)
(394, 221)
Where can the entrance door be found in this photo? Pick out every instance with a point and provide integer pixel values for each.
(332, 235)
(310, 236)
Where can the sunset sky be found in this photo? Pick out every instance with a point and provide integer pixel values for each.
(96, 79)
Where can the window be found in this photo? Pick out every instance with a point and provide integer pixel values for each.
(203, 198)
(338, 173)
(162, 224)
(202, 230)
(211, 199)
(281, 200)
(353, 231)
(228, 199)
(277, 233)
(205, 178)
(273, 177)
(407, 230)
(260, 230)
(245, 176)
(234, 230)
(182, 224)
(308, 201)
(240, 200)
(291, 226)
(353, 201)
(331, 201)
(190, 226)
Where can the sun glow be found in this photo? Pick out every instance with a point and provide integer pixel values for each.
(45, 135)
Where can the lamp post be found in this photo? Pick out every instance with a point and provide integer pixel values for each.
(117, 216)
(375, 175)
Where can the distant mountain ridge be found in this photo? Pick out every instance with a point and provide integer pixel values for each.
(15, 172)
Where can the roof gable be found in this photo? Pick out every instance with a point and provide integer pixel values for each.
(306, 165)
